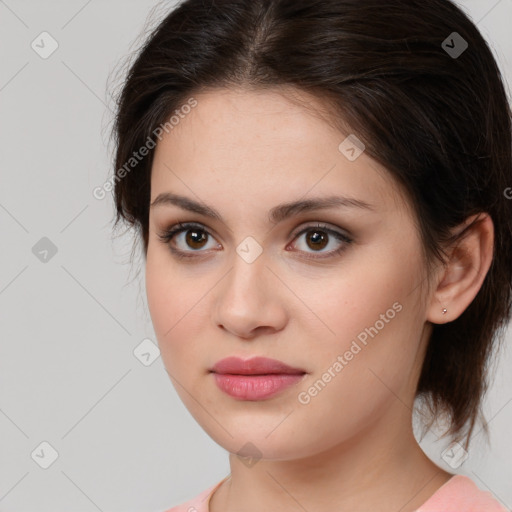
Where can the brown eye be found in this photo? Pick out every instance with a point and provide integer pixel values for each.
(188, 238)
(320, 236)
(195, 238)
(318, 240)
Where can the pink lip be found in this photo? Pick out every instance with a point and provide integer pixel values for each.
(253, 366)
(256, 378)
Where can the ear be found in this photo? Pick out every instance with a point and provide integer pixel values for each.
(460, 279)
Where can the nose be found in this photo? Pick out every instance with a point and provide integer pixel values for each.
(250, 300)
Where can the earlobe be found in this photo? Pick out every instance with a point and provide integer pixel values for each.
(462, 276)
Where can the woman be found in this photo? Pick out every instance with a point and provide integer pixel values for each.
(321, 193)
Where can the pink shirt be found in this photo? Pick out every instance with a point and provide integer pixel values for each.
(459, 494)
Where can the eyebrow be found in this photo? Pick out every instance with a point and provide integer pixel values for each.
(276, 214)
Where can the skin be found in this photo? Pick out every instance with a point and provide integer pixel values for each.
(244, 152)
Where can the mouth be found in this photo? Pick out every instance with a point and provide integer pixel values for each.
(254, 366)
(254, 379)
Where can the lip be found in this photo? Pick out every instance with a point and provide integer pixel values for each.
(254, 366)
(257, 378)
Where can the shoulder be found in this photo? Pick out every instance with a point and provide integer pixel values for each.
(461, 494)
(199, 503)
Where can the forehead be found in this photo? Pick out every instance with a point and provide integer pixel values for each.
(277, 143)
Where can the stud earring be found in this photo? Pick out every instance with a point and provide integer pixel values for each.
(444, 310)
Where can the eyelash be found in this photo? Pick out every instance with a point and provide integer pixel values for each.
(170, 233)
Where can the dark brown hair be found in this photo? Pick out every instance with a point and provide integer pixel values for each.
(434, 113)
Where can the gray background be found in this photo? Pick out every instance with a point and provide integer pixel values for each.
(70, 325)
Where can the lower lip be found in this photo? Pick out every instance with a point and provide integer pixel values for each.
(255, 387)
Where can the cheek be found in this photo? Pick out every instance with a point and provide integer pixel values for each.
(158, 293)
(368, 318)
(363, 295)
(362, 373)
(175, 308)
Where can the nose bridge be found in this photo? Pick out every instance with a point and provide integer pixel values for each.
(247, 279)
(247, 298)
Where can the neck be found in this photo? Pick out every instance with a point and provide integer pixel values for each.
(381, 468)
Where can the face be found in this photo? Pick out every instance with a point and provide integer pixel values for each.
(332, 291)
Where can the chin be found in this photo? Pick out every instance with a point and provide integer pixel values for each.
(255, 443)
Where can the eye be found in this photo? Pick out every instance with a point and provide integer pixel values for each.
(195, 236)
(319, 236)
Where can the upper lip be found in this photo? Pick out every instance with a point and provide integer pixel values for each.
(253, 366)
